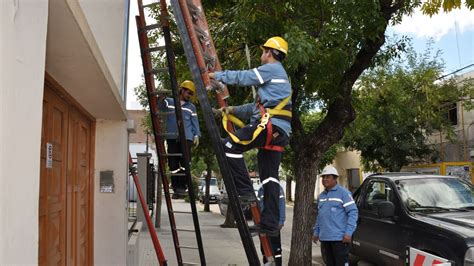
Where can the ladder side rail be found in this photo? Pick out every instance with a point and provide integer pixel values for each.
(154, 237)
(179, 118)
(209, 46)
(199, 75)
(150, 86)
(206, 47)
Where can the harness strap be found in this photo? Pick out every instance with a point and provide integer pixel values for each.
(266, 114)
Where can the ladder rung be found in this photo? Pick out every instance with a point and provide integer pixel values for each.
(158, 70)
(151, 27)
(168, 134)
(172, 154)
(176, 174)
(154, 49)
(187, 247)
(164, 114)
(157, 92)
(181, 212)
(184, 230)
(151, 4)
(202, 34)
(190, 263)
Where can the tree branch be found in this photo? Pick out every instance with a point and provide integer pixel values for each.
(341, 112)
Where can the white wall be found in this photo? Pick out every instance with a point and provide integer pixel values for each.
(110, 214)
(109, 32)
(23, 23)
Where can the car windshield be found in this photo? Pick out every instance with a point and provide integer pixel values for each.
(214, 190)
(212, 183)
(436, 194)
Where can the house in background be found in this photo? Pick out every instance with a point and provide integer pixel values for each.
(462, 122)
(456, 156)
(64, 133)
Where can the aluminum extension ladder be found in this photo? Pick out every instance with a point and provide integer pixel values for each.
(202, 59)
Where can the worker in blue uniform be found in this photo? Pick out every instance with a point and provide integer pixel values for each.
(269, 128)
(191, 130)
(336, 220)
(275, 241)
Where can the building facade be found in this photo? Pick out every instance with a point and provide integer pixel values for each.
(461, 147)
(64, 139)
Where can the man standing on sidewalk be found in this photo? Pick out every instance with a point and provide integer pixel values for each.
(336, 219)
(269, 128)
(191, 130)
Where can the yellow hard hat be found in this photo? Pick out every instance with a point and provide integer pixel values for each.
(188, 85)
(277, 43)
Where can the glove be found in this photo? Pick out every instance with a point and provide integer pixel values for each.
(196, 141)
(227, 110)
(217, 112)
(215, 85)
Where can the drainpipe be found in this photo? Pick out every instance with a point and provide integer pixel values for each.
(123, 81)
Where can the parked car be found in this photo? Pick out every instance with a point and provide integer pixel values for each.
(431, 213)
(214, 194)
(223, 200)
(202, 182)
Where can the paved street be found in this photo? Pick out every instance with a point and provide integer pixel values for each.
(222, 245)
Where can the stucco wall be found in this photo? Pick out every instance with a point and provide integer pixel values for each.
(21, 95)
(110, 215)
(108, 33)
(346, 160)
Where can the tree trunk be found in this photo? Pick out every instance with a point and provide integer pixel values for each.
(304, 213)
(289, 179)
(229, 219)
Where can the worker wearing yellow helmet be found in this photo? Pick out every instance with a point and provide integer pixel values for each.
(191, 130)
(277, 46)
(268, 129)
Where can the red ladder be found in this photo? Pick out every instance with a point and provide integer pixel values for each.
(152, 92)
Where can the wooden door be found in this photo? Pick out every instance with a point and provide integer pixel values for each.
(52, 201)
(78, 188)
(65, 218)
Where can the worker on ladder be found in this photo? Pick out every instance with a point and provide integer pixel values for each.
(191, 129)
(268, 130)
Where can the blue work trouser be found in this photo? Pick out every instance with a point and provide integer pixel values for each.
(336, 253)
(268, 165)
(176, 164)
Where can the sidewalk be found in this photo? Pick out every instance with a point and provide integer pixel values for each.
(222, 246)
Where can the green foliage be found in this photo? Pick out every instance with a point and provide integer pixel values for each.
(432, 7)
(399, 104)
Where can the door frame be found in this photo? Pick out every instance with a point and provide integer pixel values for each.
(52, 84)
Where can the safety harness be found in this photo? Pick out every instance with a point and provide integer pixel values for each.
(265, 122)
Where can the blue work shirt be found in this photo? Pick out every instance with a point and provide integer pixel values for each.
(191, 123)
(281, 204)
(273, 87)
(337, 214)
